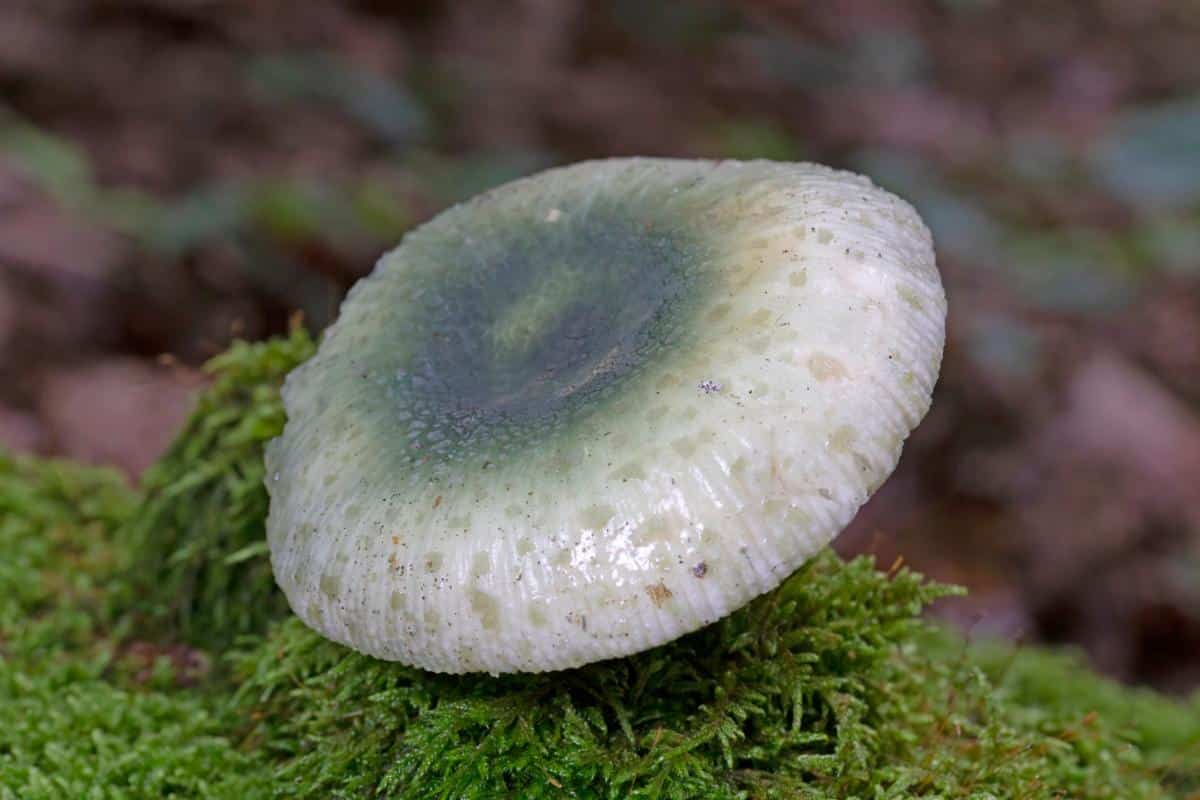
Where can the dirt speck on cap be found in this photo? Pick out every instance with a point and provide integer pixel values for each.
(659, 593)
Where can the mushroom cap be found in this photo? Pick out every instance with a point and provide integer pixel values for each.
(594, 409)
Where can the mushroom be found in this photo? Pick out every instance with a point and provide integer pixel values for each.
(594, 409)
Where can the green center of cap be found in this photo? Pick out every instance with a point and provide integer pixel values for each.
(550, 314)
(500, 324)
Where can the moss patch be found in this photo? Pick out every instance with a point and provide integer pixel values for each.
(197, 544)
(828, 687)
(56, 536)
(77, 717)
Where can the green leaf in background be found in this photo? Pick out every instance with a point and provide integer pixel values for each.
(1151, 157)
(294, 210)
(1173, 244)
(888, 57)
(1038, 158)
(212, 213)
(681, 25)
(1074, 271)
(1004, 345)
(59, 167)
(380, 209)
(62, 170)
(799, 65)
(755, 138)
(384, 106)
(451, 180)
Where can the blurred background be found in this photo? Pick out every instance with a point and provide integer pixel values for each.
(175, 174)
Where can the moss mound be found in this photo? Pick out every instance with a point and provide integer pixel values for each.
(197, 544)
(817, 690)
(145, 653)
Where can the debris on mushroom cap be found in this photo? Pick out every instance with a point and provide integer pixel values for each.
(595, 409)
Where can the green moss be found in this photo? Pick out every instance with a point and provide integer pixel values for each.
(68, 728)
(817, 690)
(66, 732)
(198, 566)
(1040, 685)
(56, 528)
(829, 687)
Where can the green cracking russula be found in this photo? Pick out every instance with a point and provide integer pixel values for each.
(592, 410)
